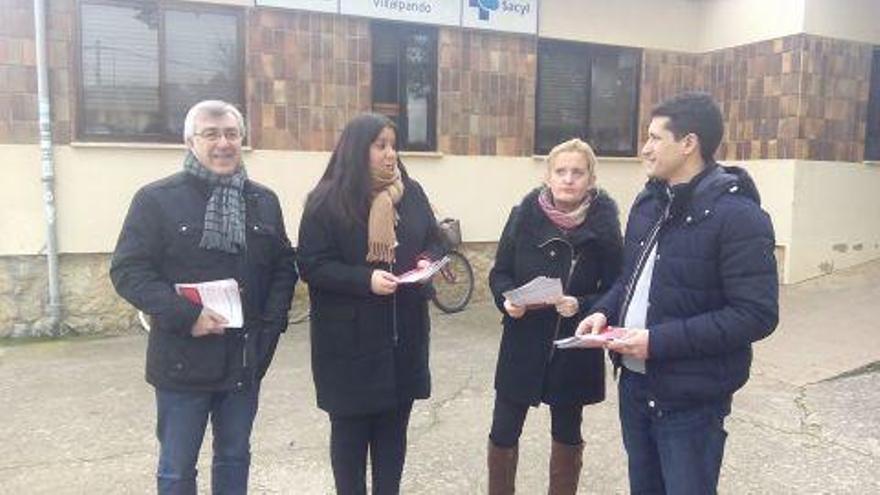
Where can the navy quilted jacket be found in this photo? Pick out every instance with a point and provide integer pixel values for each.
(714, 288)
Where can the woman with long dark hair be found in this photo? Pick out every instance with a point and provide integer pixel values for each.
(566, 229)
(365, 223)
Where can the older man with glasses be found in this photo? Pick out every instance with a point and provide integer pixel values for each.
(208, 222)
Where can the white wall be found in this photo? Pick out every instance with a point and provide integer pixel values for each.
(728, 23)
(856, 20)
(659, 24)
(95, 185)
(21, 203)
(698, 26)
(825, 213)
(239, 3)
(775, 182)
(481, 190)
(836, 217)
(693, 26)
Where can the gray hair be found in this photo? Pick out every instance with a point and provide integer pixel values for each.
(214, 108)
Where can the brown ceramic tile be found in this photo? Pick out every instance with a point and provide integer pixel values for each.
(482, 78)
(782, 91)
(312, 72)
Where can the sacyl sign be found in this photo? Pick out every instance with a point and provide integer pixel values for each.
(520, 16)
(484, 7)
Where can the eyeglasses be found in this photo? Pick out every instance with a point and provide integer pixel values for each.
(213, 134)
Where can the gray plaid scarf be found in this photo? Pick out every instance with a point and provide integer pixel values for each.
(225, 213)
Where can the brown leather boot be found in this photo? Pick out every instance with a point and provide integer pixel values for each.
(502, 469)
(565, 468)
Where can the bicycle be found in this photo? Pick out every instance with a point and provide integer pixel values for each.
(299, 307)
(144, 321)
(454, 283)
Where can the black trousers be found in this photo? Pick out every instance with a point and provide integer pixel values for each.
(508, 419)
(384, 436)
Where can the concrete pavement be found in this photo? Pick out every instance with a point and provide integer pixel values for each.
(78, 418)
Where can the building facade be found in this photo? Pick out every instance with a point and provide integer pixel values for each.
(480, 89)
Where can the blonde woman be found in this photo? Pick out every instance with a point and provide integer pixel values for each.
(568, 229)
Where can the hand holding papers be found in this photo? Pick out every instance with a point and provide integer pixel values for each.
(220, 296)
(540, 291)
(591, 341)
(422, 274)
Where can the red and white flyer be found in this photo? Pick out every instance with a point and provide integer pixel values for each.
(220, 296)
(591, 341)
(423, 274)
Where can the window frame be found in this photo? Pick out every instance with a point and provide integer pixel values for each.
(589, 51)
(872, 140)
(79, 131)
(400, 30)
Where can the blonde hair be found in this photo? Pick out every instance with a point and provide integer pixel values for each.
(578, 146)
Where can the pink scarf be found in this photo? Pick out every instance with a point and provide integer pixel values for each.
(565, 220)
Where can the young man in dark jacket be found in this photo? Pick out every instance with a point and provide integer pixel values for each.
(698, 286)
(208, 222)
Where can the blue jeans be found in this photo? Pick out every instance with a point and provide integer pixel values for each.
(676, 452)
(180, 428)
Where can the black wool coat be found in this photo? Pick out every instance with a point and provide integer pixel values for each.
(714, 288)
(159, 247)
(369, 352)
(587, 260)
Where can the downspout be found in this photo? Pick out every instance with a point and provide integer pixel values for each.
(48, 165)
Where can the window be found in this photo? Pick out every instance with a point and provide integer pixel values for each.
(405, 82)
(142, 65)
(872, 129)
(587, 91)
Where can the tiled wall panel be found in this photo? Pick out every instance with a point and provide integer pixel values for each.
(487, 93)
(308, 74)
(798, 97)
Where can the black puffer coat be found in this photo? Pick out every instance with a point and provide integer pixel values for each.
(159, 247)
(369, 352)
(530, 369)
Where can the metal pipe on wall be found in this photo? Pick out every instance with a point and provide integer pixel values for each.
(54, 308)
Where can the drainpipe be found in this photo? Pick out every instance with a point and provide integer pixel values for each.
(48, 165)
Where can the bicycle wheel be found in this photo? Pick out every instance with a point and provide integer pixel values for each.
(144, 321)
(299, 309)
(453, 284)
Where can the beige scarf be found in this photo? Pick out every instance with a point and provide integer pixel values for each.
(386, 192)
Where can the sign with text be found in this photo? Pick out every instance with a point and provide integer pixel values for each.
(441, 12)
(314, 5)
(517, 16)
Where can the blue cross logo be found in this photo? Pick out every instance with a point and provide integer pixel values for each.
(484, 7)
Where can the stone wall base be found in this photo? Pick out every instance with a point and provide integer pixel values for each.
(92, 307)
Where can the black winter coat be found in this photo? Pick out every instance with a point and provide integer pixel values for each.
(159, 247)
(530, 369)
(369, 352)
(714, 288)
